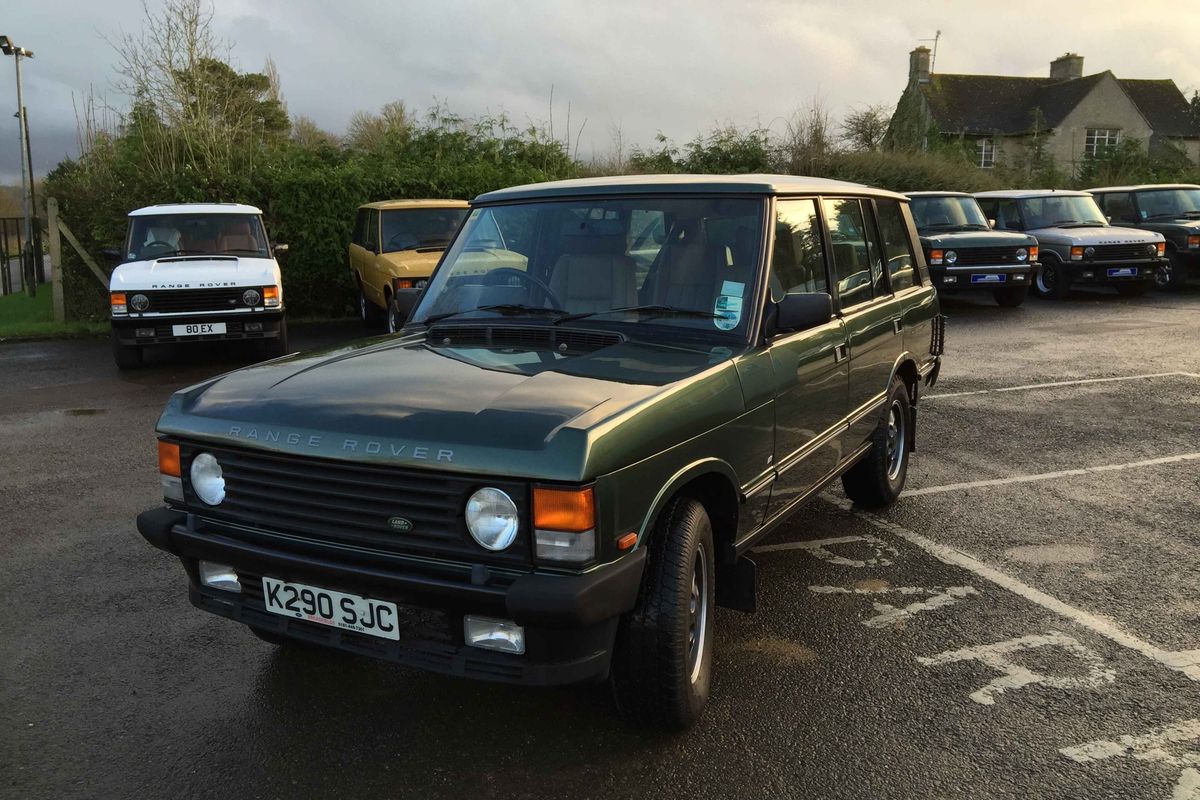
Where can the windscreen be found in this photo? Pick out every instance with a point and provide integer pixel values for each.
(1058, 210)
(934, 214)
(161, 235)
(1169, 204)
(414, 228)
(639, 263)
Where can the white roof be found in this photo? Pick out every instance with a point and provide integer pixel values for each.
(196, 208)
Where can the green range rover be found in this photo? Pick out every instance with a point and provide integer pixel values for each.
(965, 254)
(608, 393)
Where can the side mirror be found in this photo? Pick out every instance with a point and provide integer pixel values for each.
(991, 223)
(403, 303)
(111, 253)
(280, 249)
(798, 312)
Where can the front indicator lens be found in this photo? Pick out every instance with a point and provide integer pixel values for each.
(500, 635)
(935, 256)
(1033, 253)
(572, 510)
(117, 303)
(272, 297)
(1077, 254)
(207, 479)
(492, 519)
(1162, 249)
(575, 548)
(1193, 242)
(168, 459)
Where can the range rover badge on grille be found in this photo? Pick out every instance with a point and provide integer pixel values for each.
(400, 524)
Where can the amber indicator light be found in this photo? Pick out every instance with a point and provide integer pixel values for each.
(627, 541)
(168, 459)
(570, 510)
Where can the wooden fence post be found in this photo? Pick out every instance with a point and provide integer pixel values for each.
(56, 271)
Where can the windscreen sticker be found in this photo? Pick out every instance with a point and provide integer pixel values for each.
(728, 307)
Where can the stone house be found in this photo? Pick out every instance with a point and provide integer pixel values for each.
(1068, 116)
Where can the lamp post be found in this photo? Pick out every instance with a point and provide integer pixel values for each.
(28, 275)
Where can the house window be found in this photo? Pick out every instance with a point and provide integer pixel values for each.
(985, 150)
(1099, 139)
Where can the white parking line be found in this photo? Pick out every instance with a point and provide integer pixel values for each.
(1046, 476)
(1187, 663)
(1054, 384)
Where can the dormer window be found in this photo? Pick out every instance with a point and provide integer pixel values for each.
(985, 152)
(1100, 139)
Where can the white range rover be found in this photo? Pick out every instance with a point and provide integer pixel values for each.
(196, 272)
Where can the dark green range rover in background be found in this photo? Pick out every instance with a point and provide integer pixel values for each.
(1172, 209)
(608, 392)
(964, 253)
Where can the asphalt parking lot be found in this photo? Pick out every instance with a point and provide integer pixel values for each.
(1025, 622)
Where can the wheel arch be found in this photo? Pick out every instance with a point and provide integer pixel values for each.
(711, 482)
(906, 368)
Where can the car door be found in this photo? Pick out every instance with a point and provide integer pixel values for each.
(357, 251)
(874, 324)
(810, 366)
(372, 274)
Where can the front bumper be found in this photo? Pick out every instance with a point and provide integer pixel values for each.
(570, 621)
(963, 278)
(1112, 272)
(126, 329)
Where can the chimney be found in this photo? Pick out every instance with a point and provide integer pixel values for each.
(918, 66)
(1067, 67)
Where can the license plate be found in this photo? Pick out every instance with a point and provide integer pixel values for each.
(1123, 272)
(335, 609)
(198, 329)
(988, 278)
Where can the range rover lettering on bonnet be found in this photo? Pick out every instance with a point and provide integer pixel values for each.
(364, 446)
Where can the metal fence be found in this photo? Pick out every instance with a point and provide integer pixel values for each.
(12, 245)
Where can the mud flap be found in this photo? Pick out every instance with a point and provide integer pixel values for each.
(737, 585)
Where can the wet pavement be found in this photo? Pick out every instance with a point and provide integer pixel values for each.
(1024, 623)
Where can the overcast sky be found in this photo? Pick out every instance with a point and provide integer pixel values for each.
(676, 66)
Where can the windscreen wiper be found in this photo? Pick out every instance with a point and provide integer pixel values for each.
(655, 310)
(507, 309)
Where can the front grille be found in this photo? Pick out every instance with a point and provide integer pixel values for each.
(352, 503)
(987, 256)
(415, 623)
(528, 336)
(1123, 252)
(173, 301)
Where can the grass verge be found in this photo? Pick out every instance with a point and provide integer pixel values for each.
(24, 317)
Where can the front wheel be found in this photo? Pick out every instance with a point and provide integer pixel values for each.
(127, 356)
(1011, 296)
(395, 318)
(1170, 274)
(278, 346)
(662, 661)
(372, 315)
(878, 477)
(1052, 281)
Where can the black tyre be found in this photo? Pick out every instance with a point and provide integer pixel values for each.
(372, 315)
(1171, 274)
(878, 477)
(1133, 289)
(274, 348)
(1011, 296)
(127, 356)
(1052, 281)
(395, 318)
(662, 664)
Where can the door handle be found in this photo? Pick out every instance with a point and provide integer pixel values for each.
(840, 353)
(897, 325)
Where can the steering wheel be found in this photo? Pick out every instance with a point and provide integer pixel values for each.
(158, 243)
(512, 272)
(403, 243)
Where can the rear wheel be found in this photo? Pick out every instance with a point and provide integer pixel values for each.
(662, 661)
(1011, 296)
(1133, 289)
(127, 356)
(1052, 281)
(878, 477)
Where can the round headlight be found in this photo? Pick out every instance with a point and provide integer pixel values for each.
(1022, 254)
(492, 518)
(207, 481)
(252, 297)
(951, 256)
(139, 302)
(1150, 249)
(1089, 252)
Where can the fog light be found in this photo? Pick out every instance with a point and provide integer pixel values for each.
(219, 576)
(563, 546)
(144, 333)
(950, 279)
(1087, 274)
(494, 634)
(172, 487)
(1018, 277)
(253, 327)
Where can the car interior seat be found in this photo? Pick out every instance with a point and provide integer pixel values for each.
(237, 236)
(594, 273)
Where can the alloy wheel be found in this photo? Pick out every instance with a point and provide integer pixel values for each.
(1164, 274)
(697, 615)
(897, 439)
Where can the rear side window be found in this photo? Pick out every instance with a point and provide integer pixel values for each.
(360, 228)
(798, 259)
(371, 240)
(897, 247)
(851, 251)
